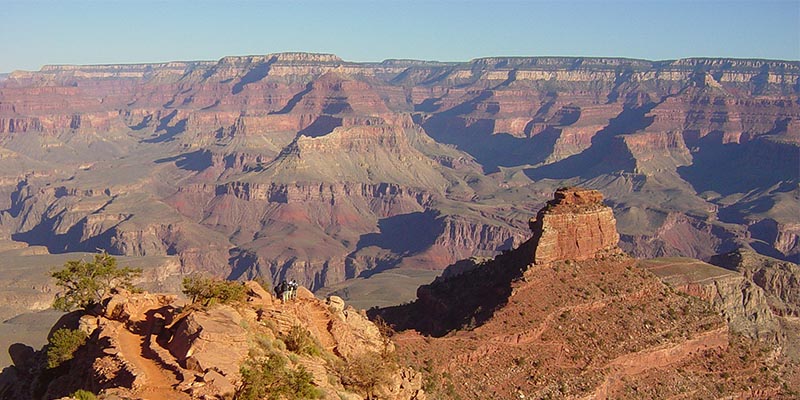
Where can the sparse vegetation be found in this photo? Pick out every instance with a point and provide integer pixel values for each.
(367, 372)
(209, 291)
(300, 341)
(84, 395)
(87, 283)
(267, 377)
(62, 346)
(384, 328)
(430, 380)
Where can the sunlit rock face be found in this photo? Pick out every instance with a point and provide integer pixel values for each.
(323, 169)
(575, 225)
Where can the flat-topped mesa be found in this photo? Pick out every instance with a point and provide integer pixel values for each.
(288, 57)
(575, 225)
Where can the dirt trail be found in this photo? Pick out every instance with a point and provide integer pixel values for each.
(536, 333)
(636, 363)
(158, 383)
(317, 316)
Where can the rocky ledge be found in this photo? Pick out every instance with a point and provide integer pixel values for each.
(149, 346)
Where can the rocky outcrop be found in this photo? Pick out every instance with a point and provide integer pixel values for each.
(211, 340)
(145, 346)
(600, 327)
(575, 225)
(780, 280)
(743, 304)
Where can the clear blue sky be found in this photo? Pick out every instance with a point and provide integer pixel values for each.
(36, 32)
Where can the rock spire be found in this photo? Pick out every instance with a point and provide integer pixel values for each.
(575, 225)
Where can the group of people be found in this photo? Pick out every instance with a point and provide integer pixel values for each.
(286, 290)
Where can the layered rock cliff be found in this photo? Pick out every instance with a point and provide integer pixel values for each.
(575, 225)
(743, 304)
(780, 280)
(303, 164)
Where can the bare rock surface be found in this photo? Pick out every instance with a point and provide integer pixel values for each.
(213, 339)
(741, 301)
(779, 279)
(143, 346)
(575, 225)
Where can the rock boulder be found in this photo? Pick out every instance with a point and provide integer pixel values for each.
(211, 339)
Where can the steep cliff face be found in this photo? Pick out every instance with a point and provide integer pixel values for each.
(743, 304)
(575, 225)
(756, 294)
(779, 279)
(66, 219)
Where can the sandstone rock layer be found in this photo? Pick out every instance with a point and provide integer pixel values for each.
(144, 346)
(575, 225)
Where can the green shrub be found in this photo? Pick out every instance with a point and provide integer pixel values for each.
(300, 341)
(268, 378)
(62, 345)
(208, 291)
(430, 379)
(84, 395)
(366, 372)
(86, 283)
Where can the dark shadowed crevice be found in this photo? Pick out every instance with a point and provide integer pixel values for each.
(603, 156)
(255, 74)
(294, 100)
(195, 161)
(323, 125)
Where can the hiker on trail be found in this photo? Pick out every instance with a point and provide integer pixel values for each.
(283, 291)
(293, 289)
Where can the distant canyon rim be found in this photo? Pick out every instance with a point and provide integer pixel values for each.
(307, 166)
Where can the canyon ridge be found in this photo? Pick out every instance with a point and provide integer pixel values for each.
(307, 166)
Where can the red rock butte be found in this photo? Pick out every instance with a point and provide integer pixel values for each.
(575, 225)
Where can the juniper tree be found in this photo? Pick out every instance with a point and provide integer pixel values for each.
(208, 291)
(87, 283)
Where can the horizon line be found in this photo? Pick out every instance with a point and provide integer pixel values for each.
(404, 59)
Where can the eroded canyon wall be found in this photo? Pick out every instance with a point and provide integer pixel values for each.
(311, 166)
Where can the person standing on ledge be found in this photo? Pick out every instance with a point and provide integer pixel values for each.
(282, 291)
